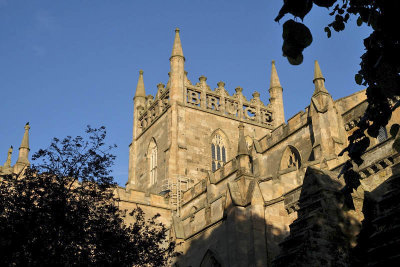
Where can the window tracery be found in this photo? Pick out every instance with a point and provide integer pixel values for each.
(218, 152)
(382, 135)
(210, 260)
(291, 158)
(152, 156)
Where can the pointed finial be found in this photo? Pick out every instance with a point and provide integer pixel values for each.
(23, 156)
(319, 80)
(8, 161)
(177, 47)
(242, 145)
(25, 139)
(274, 77)
(140, 91)
(317, 72)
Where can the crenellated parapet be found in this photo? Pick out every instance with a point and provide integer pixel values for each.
(281, 133)
(200, 96)
(154, 108)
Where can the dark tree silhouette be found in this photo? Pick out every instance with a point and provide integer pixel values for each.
(380, 65)
(62, 212)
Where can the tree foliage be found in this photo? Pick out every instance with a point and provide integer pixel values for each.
(63, 212)
(379, 67)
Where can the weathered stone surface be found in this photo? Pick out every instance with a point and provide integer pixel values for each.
(262, 195)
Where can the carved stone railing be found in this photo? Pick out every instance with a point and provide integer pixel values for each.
(154, 108)
(237, 106)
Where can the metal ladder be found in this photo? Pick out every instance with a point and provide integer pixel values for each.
(175, 189)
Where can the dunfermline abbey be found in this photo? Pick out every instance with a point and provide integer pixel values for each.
(238, 185)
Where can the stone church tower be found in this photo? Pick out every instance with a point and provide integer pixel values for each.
(236, 183)
(188, 130)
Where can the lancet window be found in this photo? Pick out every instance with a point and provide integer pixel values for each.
(210, 260)
(382, 135)
(152, 157)
(218, 152)
(291, 158)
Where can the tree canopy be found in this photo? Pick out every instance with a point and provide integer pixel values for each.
(379, 67)
(63, 212)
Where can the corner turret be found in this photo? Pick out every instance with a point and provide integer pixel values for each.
(323, 114)
(23, 156)
(140, 91)
(276, 98)
(177, 71)
(7, 164)
(139, 104)
(177, 47)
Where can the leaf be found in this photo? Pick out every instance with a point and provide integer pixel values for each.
(324, 3)
(328, 32)
(290, 50)
(359, 21)
(296, 34)
(346, 17)
(296, 60)
(358, 77)
(396, 144)
(298, 8)
(394, 129)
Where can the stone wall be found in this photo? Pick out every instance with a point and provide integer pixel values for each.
(158, 132)
(199, 129)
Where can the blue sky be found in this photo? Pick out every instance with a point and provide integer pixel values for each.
(67, 64)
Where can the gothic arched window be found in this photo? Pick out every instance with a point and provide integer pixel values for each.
(218, 152)
(290, 158)
(152, 156)
(210, 260)
(382, 135)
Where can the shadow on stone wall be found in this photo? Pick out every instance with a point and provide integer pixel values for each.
(324, 233)
(235, 241)
(379, 239)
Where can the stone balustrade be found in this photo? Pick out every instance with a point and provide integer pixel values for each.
(219, 101)
(154, 108)
(201, 96)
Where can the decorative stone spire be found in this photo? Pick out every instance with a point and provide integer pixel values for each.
(274, 77)
(319, 80)
(160, 90)
(324, 115)
(177, 47)
(25, 139)
(8, 161)
(243, 156)
(276, 97)
(242, 145)
(187, 81)
(256, 98)
(317, 71)
(176, 83)
(140, 91)
(24, 148)
(169, 81)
